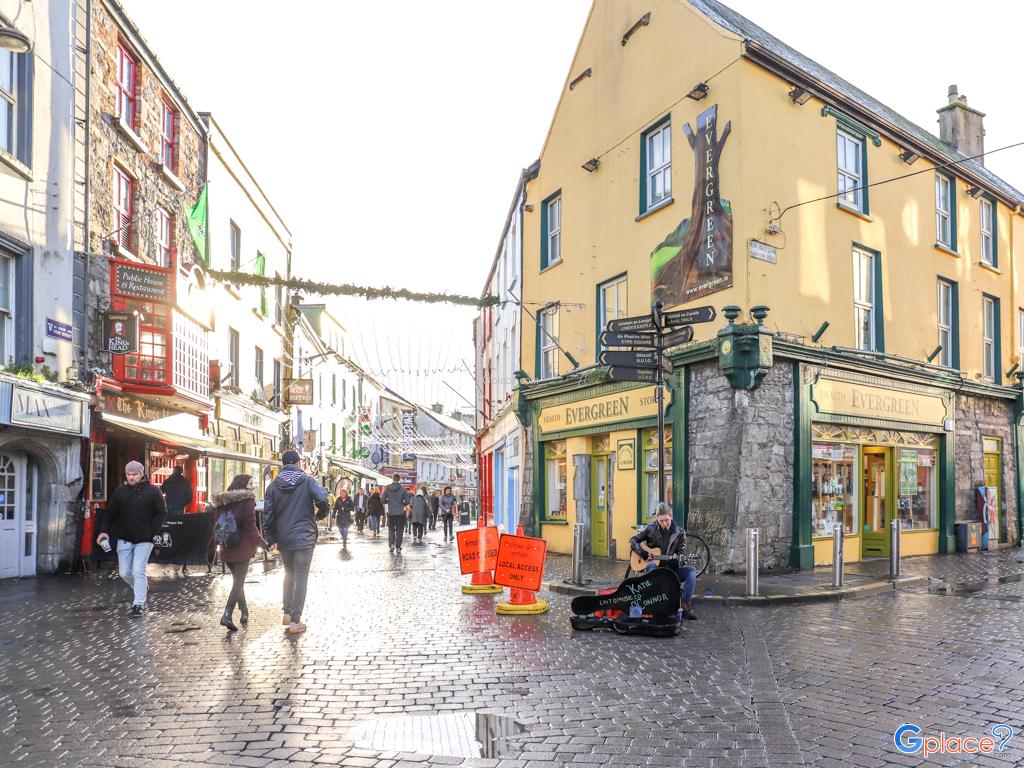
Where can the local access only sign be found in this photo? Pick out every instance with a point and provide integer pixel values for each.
(478, 549)
(520, 562)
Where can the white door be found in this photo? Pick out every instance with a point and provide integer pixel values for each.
(30, 482)
(10, 521)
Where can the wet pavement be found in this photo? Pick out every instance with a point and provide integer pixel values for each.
(393, 644)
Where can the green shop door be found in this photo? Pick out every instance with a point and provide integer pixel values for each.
(877, 507)
(599, 511)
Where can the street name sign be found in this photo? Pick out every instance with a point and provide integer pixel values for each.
(688, 316)
(638, 359)
(677, 337)
(641, 323)
(646, 375)
(628, 339)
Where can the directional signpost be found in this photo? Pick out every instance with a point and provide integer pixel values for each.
(645, 362)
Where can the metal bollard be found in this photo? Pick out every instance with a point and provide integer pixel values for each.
(838, 541)
(753, 558)
(894, 550)
(577, 555)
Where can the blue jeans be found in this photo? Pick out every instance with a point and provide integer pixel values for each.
(687, 577)
(343, 530)
(132, 560)
(296, 577)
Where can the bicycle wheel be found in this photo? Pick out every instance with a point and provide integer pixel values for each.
(696, 553)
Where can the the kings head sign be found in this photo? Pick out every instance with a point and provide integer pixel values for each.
(696, 258)
(120, 332)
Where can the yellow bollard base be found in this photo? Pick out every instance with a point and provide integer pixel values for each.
(481, 589)
(506, 608)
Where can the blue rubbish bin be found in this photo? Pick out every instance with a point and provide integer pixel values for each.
(968, 537)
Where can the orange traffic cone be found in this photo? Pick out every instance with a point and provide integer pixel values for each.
(482, 583)
(521, 602)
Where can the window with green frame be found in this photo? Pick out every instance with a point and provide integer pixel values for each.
(650, 454)
(555, 481)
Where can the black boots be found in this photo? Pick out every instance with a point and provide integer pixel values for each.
(225, 621)
(243, 619)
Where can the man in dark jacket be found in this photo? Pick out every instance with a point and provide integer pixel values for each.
(668, 537)
(396, 503)
(289, 522)
(178, 492)
(435, 505)
(133, 516)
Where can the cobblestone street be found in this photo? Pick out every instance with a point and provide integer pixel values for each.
(822, 684)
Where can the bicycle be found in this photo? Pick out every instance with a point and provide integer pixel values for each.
(695, 552)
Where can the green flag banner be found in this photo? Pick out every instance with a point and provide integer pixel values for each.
(261, 270)
(196, 218)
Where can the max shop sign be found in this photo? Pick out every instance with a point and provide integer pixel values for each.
(149, 283)
(120, 332)
(42, 410)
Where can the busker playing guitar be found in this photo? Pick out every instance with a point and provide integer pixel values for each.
(661, 542)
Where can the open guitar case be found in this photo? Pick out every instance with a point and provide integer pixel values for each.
(657, 593)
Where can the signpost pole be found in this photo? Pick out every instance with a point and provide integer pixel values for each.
(659, 394)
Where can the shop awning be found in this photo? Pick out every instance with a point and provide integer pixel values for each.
(359, 469)
(196, 443)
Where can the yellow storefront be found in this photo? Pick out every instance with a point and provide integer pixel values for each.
(596, 464)
(878, 452)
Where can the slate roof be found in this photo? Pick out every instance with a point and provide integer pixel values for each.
(743, 27)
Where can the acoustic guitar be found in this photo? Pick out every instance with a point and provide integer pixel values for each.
(639, 565)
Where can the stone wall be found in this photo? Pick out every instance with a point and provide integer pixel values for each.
(527, 514)
(977, 418)
(109, 145)
(741, 464)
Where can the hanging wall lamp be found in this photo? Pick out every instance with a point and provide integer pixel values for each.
(698, 92)
(800, 95)
(14, 40)
(591, 165)
(909, 156)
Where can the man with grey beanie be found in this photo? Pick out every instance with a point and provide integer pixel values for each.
(133, 516)
(289, 522)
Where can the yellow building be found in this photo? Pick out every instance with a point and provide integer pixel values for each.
(696, 159)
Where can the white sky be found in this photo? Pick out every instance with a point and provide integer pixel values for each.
(390, 135)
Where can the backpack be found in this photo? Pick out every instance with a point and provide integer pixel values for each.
(225, 530)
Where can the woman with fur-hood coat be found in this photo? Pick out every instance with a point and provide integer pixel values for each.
(240, 499)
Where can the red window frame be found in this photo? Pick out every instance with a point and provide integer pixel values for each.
(124, 204)
(127, 70)
(169, 137)
(152, 365)
(165, 240)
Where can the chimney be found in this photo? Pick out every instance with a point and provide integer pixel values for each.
(437, 408)
(960, 126)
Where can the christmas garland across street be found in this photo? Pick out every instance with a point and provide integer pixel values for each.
(347, 289)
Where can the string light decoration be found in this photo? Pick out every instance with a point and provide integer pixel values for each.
(301, 285)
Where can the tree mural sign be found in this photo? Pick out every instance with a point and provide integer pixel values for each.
(696, 257)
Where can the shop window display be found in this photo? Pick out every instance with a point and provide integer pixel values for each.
(555, 477)
(833, 488)
(916, 477)
(650, 438)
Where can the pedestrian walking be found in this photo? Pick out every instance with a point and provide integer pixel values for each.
(240, 501)
(396, 500)
(435, 503)
(375, 511)
(133, 516)
(343, 506)
(447, 504)
(290, 523)
(420, 513)
(360, 513)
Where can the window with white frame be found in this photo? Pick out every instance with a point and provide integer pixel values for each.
(8, 99)
(849, 159)
(124, 193)
(945, 322)
(944, 211)
(549, 342)
(611, 301)
(235, 246)
(989, 323)
(554, 221)
(988, 253)
(6, 309)
(658, 148)
(258, 360)
(126, 87)
(164, 237)
(234, 354)
(864, 298)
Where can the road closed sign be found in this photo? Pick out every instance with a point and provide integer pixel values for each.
(520, 562)
(478, 549)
